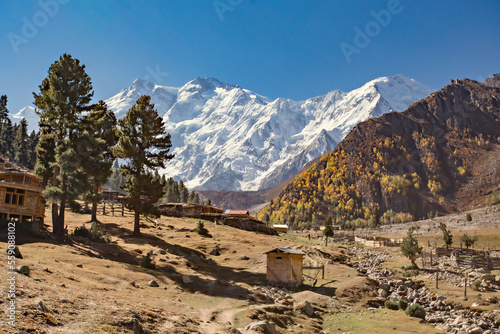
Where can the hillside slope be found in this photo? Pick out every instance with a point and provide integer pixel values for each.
(403, 164)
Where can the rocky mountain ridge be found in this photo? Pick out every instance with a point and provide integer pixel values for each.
(405, 164)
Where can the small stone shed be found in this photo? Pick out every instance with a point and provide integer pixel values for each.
(284, 266)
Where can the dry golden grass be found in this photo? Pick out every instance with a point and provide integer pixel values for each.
(87, 286)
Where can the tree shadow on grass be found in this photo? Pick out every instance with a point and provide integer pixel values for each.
(207, 277)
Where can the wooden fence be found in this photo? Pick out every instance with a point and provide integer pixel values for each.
(466, 258)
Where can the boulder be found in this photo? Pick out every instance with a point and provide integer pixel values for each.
(382, 293)
(263, 326)
(187, 279)
(17, 252)
(306, 308)
(41, 306)
(153, 284)
(25, 270)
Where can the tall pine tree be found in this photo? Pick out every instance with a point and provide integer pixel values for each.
(145, 145)
(64, 95)
(99, 135)
(6, 129)
(21, 145)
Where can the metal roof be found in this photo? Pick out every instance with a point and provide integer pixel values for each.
(280, 226)
(285, 250)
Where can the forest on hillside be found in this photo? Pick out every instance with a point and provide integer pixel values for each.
(401, 166)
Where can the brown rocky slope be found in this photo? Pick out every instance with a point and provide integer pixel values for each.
(404, 164)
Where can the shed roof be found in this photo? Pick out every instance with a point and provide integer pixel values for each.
(236, 212)
(285, 250)
(280, 226)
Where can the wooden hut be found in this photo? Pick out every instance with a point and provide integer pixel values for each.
(281, 228)
(20, 193)
(284, 266)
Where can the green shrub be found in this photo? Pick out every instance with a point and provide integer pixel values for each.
(146, 261)
(476, 285)
(75, 207)
(95, 233)
(468, 217)
(389, 304)
(201, 230)
(415, 310)
(82, 232)
(403, 304)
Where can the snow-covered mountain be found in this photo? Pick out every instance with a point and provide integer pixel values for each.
(228, 138)
(29, 114)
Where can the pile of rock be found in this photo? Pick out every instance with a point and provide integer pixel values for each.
(484, 281)
(277, 295)
(369, 263)
(445, 315)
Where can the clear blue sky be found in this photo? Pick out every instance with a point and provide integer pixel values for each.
(277, 48)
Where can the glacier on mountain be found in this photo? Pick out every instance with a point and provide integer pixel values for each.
(225, 137)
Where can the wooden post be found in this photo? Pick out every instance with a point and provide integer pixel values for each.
(437, 277)
(323, 272)
(112, 209)
(465, 286)
(123, 209)
(431, 258)
(103, 208)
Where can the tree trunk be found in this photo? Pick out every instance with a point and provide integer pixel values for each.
(326, 241)
(58, 218)
(56, 229)
(94, 210)
(137, 230)
(412, 259)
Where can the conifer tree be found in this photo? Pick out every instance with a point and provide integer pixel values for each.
(98, 138)
(21, 145)
(33, 141)
(328, 230)
(5, 128)
(64, 95)
(7, 132)
(410, 247)
(447, 236)
(145, 145)
(183, 192)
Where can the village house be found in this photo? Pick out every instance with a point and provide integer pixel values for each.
(284, 266)
(20, 193)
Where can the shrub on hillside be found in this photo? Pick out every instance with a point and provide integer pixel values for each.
(415, 310)
(468, 217)
(389, 304)
(95, 233)
(403, 304)
(75, 207)
(201, 230)
(146, 261)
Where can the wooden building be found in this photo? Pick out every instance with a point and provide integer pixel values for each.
(236, 213)
(20, 193)
(281, 228)
(110, 195)
(284, 266)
